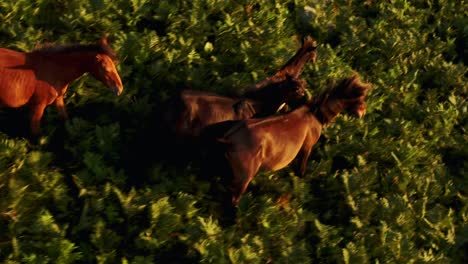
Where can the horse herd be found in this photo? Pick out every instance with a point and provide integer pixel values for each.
(242, 135)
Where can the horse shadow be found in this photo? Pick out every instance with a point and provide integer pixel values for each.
(14, 122)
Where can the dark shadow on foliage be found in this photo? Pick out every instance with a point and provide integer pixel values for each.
(329, 202)
(177, 253)
(340, 163)
(14, 122)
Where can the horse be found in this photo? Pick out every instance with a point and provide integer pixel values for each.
(272, 143)
(41, 77)
(197, 109)
(179, 120)
(190, 111)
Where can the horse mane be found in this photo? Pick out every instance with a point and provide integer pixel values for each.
(294, 66)
(308, 44)
(52, 48)
(346, 89)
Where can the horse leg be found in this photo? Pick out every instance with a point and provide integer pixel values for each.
(303, 156)
(43, 97)
(59, 103)
(37, 110)
(243, 172)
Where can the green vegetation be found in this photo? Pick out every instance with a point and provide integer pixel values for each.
(389, 188)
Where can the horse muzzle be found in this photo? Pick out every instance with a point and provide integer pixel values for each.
(115, 84)
(361, 112)
(118, 90)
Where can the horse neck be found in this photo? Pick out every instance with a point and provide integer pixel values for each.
(66, 67)
(296, 64)
(326, 109)
(293, 67)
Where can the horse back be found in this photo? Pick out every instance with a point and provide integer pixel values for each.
(17, 79)
(188, 111)
(279, 138)
(206, 108)
(11, 59)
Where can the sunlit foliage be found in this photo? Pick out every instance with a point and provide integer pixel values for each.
(389, 188)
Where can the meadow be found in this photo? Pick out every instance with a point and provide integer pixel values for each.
(391, 187)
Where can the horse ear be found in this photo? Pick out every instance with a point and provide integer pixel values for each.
(309, 43)
(103, 40)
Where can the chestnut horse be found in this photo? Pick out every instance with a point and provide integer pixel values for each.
(272, 143)
(41, 77)
(190, 111)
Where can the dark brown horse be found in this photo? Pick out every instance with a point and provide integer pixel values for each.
(196, 110)
(190, 111)
(272, 143)
(41, 77)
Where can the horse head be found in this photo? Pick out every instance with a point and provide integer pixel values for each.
(104, 69)
(354, 96)
(348, 95)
